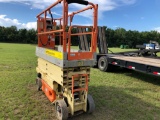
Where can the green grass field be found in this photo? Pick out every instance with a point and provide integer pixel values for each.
(121, 95)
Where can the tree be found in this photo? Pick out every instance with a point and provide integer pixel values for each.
(31, 36)
(22, 35)
(114, 37)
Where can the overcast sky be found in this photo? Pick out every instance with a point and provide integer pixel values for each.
(141, 15)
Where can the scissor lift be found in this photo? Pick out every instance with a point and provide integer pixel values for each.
(63, 73)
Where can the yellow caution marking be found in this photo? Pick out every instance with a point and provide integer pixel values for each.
(54, 53)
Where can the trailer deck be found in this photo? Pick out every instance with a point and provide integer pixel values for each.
(140, 60)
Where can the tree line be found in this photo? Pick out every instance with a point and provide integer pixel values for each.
(121, 36)
(14, 35)
(115, 38)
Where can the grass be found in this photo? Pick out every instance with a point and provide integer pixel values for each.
(122, 94)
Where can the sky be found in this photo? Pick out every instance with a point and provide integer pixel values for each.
(140, 15)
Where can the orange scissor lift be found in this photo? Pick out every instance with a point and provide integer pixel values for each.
(63, 73)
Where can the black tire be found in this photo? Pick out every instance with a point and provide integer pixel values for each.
(103, 64)
(39, 84)
(39, 75)
(61, 110)
(36, 81)
(90, 104)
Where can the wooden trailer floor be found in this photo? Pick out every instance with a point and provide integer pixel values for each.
(142, 60)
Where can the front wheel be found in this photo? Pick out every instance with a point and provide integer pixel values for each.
(90, 104)
(61, 110)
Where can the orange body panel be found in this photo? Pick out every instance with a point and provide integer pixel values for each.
(80, 56)
(49, 92)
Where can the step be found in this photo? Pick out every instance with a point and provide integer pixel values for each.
(79, 103)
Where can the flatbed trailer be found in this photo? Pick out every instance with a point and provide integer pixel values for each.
(145, 61)
(142, 64)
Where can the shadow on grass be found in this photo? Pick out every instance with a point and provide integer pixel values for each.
(118, 103)
(138, 75)
(146, 77)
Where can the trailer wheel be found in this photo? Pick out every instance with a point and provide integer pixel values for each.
(39, 84)
(61, 110)
(90, 104)
(103, 64)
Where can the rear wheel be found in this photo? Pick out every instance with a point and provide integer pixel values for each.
(90, 104)
(39, 84)
(61, 110)
(103, 64)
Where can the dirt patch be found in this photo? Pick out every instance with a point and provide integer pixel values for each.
(42, 102)
(17, 111)
(5, 66)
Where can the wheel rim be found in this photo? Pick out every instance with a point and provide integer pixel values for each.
(61, 110)
(102, 64)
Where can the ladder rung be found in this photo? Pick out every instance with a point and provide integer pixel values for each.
(79, 103)
(79, 89)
